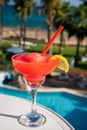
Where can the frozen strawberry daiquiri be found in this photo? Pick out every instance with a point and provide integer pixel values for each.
(34, 67)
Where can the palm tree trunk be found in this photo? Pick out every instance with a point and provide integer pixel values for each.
(24, 32)
(0, 25)
(49, 37)
(86, 49)
(77, 52)
(61, 44)
(21, 35)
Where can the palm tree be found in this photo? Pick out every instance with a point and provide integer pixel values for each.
(24, 9)
(50, 8)
(77, 27)
(84, 4)
(74, 24)
(59, 19)
(1, 4)
(0, 23)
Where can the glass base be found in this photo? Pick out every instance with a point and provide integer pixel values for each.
(32, 120)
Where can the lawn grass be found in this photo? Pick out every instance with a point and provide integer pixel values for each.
(68, 52)
(38, 48)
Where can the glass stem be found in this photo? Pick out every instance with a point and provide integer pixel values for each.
(33, 107)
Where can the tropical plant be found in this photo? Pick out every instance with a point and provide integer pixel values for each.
(59, 19)
(75, 24)
(50, 7)
(84, 4)
(2, 2)
(23, 9)
(78, 27)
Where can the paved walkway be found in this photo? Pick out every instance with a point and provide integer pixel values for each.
(38, 34)
(52, 89)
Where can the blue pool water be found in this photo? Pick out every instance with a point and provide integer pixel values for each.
(72, 108)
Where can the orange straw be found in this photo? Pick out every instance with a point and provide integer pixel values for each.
(52, 40)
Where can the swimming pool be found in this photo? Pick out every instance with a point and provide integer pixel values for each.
(72, 108)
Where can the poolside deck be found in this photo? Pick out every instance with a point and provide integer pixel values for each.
(77, 92)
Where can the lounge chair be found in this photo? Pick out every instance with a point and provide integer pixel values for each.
(82, 84)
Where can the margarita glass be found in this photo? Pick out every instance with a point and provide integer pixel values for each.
(34, 68)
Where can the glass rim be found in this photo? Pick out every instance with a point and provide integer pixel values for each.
(36, 63)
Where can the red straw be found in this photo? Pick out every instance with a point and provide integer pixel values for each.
(52, 40)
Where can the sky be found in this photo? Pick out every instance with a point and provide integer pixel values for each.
(73, 2)
(11, 2)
